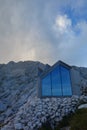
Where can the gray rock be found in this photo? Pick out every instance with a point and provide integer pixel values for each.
(1, 118)
(3, 107)
(3, 128)
(21, 79)
(18, 126)
(9, 112)
(82, 106)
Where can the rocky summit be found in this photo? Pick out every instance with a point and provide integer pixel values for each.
(18, 82)
(20, 108)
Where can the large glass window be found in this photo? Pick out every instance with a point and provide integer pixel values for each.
(46, 86)
(66, 84)
(57, 82)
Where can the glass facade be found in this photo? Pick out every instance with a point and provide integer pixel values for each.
(46, 86)
(66, 83)
(57, 82)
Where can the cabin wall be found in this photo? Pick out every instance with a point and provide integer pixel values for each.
(75, 80)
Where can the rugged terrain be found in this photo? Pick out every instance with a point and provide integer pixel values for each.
(18, 96)
(18, 82)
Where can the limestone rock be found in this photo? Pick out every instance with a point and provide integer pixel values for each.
(20, 108)
(82, 106)
(3, 107)
(18, 126)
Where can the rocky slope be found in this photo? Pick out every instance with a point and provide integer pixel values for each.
(19, 106)
(18, 82)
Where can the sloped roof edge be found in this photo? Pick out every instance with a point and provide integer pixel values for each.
(54, 66)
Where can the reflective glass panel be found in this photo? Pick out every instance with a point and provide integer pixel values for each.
(66, 83)
(46, 86)
(56, 82)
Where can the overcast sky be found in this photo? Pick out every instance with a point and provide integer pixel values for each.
(44, 30)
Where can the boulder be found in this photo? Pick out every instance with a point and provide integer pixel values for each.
(82, 106)
(2, 106)
(18, 126)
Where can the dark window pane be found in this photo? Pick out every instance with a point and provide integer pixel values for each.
(66, 83)
(56, 82)
(46, 86)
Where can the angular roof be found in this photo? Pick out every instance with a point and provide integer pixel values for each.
(54, 66)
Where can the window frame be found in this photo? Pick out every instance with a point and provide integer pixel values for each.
(49, 72)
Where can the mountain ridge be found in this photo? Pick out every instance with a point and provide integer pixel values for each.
(19, 84)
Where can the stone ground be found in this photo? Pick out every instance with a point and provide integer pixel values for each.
(19, 105)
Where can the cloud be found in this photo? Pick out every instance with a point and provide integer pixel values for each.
(43, 30)
(62, 24)
(73, 46)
